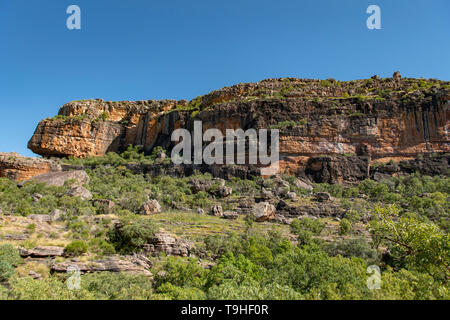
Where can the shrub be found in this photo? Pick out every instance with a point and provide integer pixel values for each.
(132, 233)
(7, 270)
(344, 226)
(101, 246)
(10, 254)
(108, 285)
(76, 248)
(353, 248)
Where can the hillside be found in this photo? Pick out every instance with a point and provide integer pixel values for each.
(364, 181)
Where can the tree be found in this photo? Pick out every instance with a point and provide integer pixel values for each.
(418, 245)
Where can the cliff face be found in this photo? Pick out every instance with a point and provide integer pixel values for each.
(384, 119)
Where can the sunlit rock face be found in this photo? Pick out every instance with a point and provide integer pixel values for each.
(19, 168)
(392, 118)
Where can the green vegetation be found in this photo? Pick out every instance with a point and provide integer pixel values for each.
(133, 233)
(399, 224)
(288, 124)
(76, 248)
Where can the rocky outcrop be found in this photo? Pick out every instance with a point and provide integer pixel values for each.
(338, 169)
(168, 244)
(373, 118)
(264, 211)
(136, 264)
(216, 210)
(42, 251)
(319, 210)
(94, 127)
(80, 192)
(59, 178)
(150, 207)
(19, 168)
(230, 215)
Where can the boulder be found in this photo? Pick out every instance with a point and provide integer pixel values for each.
(323, 196)
(282, 219)
(35, 275)
(264, 211)
(164, 242)
(292, 196)
(216, 210)
(40, 217)
(200, 211)
(42, 251)
(266, 194)
(303, 185)
(231, 215)
(198, 185)
(223, 192)
(150, 207)
(81, 192)
(59, 178)
(36, 197)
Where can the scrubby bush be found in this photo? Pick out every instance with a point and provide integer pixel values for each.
(9, 259)
(132, 233)
(76, 248)
(305, 229)
(344, 226)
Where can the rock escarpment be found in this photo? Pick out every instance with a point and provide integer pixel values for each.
(17, 167)
(373, 119)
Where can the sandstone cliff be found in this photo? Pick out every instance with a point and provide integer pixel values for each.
(16, 167)
(392, 118)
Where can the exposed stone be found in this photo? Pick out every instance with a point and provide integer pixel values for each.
(59, 178)
(292, 196)
(321, 209)
(19, 168)
(81, 192)
(164, 242)
(282, 219)
(230, 215)
(405, 124)
(337, 169)
(396, 76)
(150, 207)
(200, 211)
(16, 237)
(323, 196)
(198, 185)
(223, 191)
(303, 185)
(36, 197)
(266, 194)
(264, 211)
(34, 275)
(40, 217)
(136, 264)
(216, 210)
(42, 251)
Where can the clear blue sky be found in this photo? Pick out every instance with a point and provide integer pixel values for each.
(155, 49)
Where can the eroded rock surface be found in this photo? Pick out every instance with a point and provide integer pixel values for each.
(42, 251)
(59, 178)
(373, 118)
(20, 168)
(136, 264)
